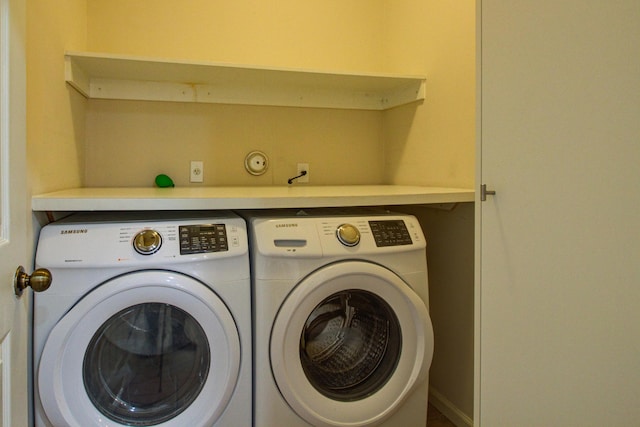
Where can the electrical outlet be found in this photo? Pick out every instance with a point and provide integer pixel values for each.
(196, 171)
(303, 167)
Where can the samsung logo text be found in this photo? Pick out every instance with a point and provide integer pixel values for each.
(74, 231)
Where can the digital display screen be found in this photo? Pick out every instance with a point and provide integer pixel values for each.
(203, 238)
(390, 233)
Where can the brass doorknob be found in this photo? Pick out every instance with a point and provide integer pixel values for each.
(40, 280)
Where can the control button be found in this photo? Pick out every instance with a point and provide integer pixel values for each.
(147, 242)
(348, 235)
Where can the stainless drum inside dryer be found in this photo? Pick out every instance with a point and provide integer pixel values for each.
(350, 345)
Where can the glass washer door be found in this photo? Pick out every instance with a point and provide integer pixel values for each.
(147, 348)
(326, 378)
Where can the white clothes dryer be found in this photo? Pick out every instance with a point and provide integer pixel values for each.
(342, 334)
(147, 321)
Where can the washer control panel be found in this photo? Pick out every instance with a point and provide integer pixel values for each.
(390, 233)
(199, 239)
(142, 238)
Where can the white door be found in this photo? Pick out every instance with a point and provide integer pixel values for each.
(558, 296)
(13, 215)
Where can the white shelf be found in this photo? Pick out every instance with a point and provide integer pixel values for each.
(208, 198)
(106, 76)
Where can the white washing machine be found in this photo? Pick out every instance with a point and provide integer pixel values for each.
(342, 334)
(147, 321)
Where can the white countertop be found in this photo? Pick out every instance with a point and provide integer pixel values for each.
(207, 198)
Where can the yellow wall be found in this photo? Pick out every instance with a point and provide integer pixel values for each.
(55, 112)
(430, 143)
(327, 34)
(128, 143)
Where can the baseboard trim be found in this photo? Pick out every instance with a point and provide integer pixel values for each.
(448, 409)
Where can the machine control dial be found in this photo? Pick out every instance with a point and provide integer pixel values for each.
(348, 234)
(147, 242)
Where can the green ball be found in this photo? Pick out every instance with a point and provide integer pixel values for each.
(163, 180)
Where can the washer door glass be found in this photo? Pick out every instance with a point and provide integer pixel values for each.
(350, 345)
(146, 364)
(145, 348)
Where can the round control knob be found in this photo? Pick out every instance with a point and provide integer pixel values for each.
(147, 242)
(348, 235)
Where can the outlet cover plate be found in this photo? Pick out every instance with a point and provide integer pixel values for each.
(196, 171)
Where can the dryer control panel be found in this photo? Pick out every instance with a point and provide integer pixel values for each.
(337, 236)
